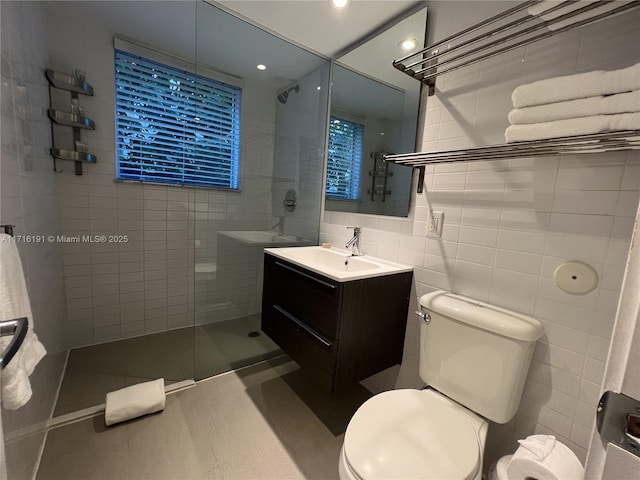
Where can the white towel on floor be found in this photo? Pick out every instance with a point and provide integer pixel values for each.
(14, 303)
(583, 107)
(573, 126)
(581, 85)
(134, 401)
(539, 9)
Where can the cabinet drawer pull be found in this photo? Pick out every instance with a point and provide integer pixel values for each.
(303, 326)
(317, 280)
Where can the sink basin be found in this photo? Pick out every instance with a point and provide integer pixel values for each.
(337, 264)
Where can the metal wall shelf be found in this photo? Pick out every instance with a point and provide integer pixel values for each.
(71, 120)
(69, 83)
(515, 28)
(75, 86)
(73, 156)
(595, 143)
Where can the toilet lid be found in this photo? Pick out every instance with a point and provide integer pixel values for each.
(412, 434)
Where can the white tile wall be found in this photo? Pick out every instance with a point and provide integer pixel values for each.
(27, 199)
(508, 224)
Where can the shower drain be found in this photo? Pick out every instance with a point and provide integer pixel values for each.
(254, 334)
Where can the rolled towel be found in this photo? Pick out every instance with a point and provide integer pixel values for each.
(581, 85)
(559, 463)
(583, 107)
(573, 126)
(134, 401)
(14, 304)
(539, 9)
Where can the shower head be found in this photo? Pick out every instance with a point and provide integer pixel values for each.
(282, 98)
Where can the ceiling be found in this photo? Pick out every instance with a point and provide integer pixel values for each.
(307, 22)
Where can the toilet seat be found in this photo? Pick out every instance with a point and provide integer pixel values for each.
(413, 434)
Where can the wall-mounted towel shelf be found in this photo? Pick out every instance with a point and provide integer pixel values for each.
(600, 142)
(74, 119)
(516, 28)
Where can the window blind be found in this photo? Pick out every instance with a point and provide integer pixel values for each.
(175, 127)
(344, 159)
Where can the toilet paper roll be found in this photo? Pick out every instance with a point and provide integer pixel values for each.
(560, 464)
(134, 401)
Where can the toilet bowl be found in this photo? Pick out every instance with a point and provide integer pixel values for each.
(474, 357)
(413, 434)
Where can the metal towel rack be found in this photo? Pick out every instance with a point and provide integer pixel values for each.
(18, 328)
(8, 229)
(600, 142)
(501, 33)
(519, 29)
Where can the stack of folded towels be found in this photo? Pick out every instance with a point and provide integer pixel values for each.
(581, 104)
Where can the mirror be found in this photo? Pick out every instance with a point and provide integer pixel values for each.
(374, 111)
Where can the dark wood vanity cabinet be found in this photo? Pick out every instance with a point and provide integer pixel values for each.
(339, 332)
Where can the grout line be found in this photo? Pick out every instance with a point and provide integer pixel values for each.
(79, 415)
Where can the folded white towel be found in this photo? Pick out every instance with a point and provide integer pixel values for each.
(134, 401)
(539, 9)
(581, 85)
(14, 303)
(583, 107)
(573, 126)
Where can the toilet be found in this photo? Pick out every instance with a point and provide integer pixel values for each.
(474, 358)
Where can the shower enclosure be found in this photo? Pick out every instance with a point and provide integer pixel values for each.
(281, 148)
(181, 298)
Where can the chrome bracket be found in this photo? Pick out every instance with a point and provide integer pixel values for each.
(425, 317)
(618, 421)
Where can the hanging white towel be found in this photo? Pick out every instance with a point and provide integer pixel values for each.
(14, 303)
(581, 85)
(573, 126)
(539, 8)
(583, 107)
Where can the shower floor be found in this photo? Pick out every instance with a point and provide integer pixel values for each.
(193, 352)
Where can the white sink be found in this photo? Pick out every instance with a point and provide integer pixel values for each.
(338, 264)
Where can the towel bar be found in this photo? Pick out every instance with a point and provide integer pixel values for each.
(8, 229)
(17, 328)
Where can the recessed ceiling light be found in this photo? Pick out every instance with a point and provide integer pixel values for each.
(339, 3)
(318, 87)
(408, 44)
(261, 67)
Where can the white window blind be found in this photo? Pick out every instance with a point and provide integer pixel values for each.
(175, 127)
(344, 159)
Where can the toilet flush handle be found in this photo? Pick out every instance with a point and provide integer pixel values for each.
(425, 317)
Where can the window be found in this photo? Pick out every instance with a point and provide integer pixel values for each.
(345, 157)
(175, 127)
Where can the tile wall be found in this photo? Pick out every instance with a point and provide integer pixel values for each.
(508, 224)
(27, 200)
(147, 284)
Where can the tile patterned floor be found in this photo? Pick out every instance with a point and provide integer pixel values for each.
(267, 421)
(175, 355)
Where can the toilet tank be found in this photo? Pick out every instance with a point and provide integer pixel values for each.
(476, 353)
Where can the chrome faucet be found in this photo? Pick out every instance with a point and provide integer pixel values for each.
(354, 243)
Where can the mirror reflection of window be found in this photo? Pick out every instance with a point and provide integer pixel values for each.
(344, 159)
(367, 90)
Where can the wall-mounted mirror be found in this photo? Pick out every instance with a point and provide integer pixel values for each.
(374, 111)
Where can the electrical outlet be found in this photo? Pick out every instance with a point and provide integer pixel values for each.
(434, 224)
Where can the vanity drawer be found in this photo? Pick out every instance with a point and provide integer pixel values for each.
(312, 298)
(312, 351)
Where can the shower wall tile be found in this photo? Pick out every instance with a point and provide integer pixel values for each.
(508, 224)
(147, 283)
(28, 201)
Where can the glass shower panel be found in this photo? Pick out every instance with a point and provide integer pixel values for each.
(277, 142)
